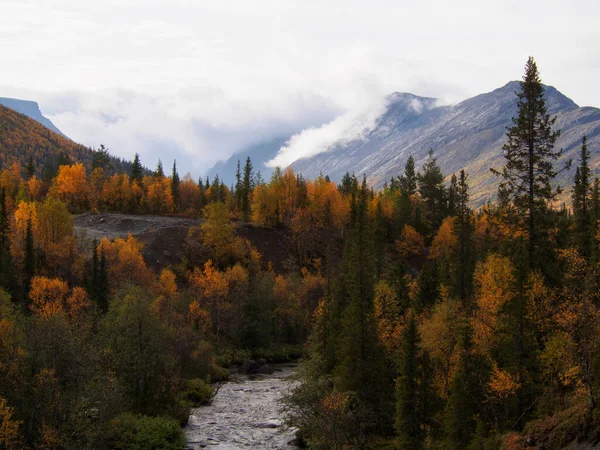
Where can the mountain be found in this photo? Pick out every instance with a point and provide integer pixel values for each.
(22, 138)
(259, 154)
(468, 135)
(31, 110)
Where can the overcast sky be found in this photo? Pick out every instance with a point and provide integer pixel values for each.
(199, 80)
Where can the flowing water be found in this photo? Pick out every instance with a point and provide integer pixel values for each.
(245, 413)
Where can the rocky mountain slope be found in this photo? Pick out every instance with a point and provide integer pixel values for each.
(468, 135)
(31, 110)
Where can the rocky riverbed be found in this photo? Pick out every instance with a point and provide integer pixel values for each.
(245, 413)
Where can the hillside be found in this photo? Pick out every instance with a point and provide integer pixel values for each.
(31, 110)
(468, 135)
(22, 138)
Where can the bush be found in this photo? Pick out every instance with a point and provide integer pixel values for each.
(137, 432)
(197, 392)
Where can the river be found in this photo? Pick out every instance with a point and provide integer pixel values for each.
(245, 413)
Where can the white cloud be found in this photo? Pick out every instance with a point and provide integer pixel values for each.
(204, 78)
(351, 126)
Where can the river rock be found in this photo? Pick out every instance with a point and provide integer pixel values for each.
(261, 361)
(266, 369)
(249, 366)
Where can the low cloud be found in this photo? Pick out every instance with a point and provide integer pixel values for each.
(350, 126)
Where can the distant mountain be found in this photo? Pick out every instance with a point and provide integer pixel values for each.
(31, 110)
(22, 138)
(259, 154)
(468, 135)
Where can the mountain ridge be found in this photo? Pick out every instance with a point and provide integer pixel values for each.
(32, 110)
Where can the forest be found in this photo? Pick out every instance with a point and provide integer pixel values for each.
(420, 322)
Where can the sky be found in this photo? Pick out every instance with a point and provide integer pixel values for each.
(200, 80)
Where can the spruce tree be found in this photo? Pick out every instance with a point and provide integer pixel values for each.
(137, 171)
(431, 188)
(529, 171)
(407, 185)
(466, 394)
(175, 186)
(7, 267)
(361, 365)
(582, 194)
(464, 228)
(451, 196)
(247, 187)
(159, 172)
(30, 168)
(238, 186)
(416, 403)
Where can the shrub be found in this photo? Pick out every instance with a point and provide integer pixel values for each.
(197, 392)
(137, 432)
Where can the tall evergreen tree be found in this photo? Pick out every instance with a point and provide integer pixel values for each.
(159, 172)
(466, 394)
(361, 364)
(582, 194)
(527, 176)
(7, 267)
(247, 187)
(175, 186)
(464, 228)
(238, 186)
(407, 185)
(431, 188)
(137, 171)
(451, 196)
(415, 400)
(30, 168)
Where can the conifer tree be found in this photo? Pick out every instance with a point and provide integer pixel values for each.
(582, 193)
(159, 172)
(137, 171)
(451, 196)
(361, 365)
(30, 168)
(529, 171)
(7, 268)
(463, 223)
(415, 400)
(407, 185)
(466, 394)
(175, 186)
(238, 186)
(247, 187)
(431, 188)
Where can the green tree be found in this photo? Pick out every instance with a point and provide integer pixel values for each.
(30, 168)
(415, 400)
(431, 188)
(247, 187)
(527, 176)
(465, 257)
(175, 186)
(582, 195)
(137, 171)
(29, 265)
(159, 172)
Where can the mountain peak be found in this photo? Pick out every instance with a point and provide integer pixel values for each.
(30, 109)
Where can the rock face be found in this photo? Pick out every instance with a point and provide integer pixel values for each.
(31, 110)
(468, 135)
